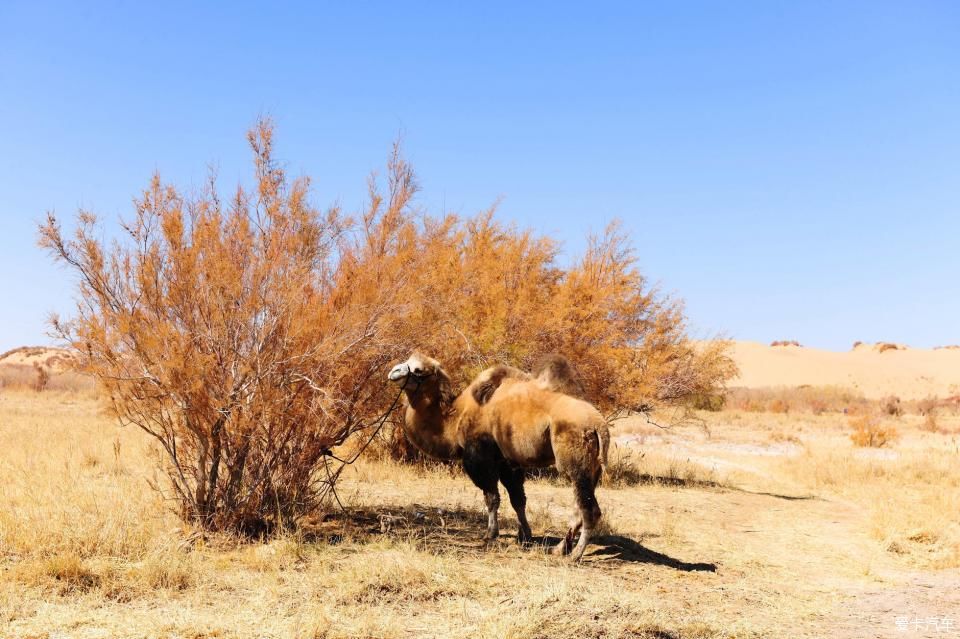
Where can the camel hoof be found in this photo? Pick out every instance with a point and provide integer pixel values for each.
(561, 549)
(565, 545)
(524, 537)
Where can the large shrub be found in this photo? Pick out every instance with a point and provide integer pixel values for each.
(250, 335)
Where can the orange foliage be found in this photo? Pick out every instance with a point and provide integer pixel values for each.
(486, 293)
(870, 431)
(250, 337)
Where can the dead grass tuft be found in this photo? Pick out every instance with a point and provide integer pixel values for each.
(870, 431)
(394, 578)
(930, 423)
(67, 573)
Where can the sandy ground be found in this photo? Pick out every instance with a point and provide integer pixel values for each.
(906, 372)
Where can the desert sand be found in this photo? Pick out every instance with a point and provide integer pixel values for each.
(909, 373)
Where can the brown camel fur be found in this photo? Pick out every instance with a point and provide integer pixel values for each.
(504, 422)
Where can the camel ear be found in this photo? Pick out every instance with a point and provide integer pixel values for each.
(483, 391)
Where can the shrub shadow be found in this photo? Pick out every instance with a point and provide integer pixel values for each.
(436, 528)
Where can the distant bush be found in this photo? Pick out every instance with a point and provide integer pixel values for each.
(712, 402)
(818, 406)
(927, 405)
(779, 405)
(785, 342)
(930, 423)
(892, 406)
(883, 347)
(43, 377)
(869, 431)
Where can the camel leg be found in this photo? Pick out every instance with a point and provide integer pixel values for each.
(584, 487)
(493, 505)
(481, 461)
(578, 457)
(512, 479)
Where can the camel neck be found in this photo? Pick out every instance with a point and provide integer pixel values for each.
(431, 423)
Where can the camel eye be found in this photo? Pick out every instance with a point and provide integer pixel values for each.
(417, 370)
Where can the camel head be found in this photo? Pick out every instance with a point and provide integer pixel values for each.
(422, 377)
(418, 368)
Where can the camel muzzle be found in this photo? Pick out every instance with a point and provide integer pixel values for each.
(398, 373)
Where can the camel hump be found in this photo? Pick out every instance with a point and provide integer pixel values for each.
(487, 382)
(556, 373)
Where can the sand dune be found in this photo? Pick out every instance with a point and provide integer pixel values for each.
(909, 373)
(55, 359)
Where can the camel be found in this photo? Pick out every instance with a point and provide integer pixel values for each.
(505, 422)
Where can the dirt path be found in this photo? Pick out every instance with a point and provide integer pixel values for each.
(810, 556)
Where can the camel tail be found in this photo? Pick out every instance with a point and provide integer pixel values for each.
(603, 435)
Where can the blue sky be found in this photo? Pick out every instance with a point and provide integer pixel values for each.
(789, 168)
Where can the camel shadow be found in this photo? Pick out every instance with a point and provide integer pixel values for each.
(619, 548)
(461, 530)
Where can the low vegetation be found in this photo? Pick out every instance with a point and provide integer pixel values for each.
(37, 378)
(818, 400)
(800, 399)
(871, 431)
(86, 547)
(786, 342)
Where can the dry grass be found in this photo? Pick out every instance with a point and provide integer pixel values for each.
(29, 377)
(628, 467)
(807, 399)
(817, 400)
(909, 490)
(89, 550)
(911, 499)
